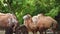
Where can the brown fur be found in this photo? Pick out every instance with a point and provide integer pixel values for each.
(5, 23)
(21, 30)
(43, 23)
(46, 22)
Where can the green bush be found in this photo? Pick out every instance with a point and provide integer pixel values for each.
(33, 7)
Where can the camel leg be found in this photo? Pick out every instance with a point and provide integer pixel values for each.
(21, 32)
(41, 32)
(58, 32)
(54, 31)
(9, 31)
(45, 32)
(25, 32)
(34, 32)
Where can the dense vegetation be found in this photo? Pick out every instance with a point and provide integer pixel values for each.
(33, 7)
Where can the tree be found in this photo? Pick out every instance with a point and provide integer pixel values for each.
(33, 7)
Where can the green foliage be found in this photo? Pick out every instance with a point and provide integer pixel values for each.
(33, 7)
(53, 12)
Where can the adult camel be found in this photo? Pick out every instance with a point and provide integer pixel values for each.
(39, 23)
(8, 22)
(46, 22)
(28, 23)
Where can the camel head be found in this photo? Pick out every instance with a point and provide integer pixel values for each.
(28, 16)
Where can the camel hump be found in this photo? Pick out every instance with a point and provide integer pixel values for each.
(35, 19)
(1, 14)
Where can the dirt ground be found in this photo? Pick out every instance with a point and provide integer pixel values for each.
(2, 32)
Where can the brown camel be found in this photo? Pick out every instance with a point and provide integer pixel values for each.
(39, 23)
(8, 22)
